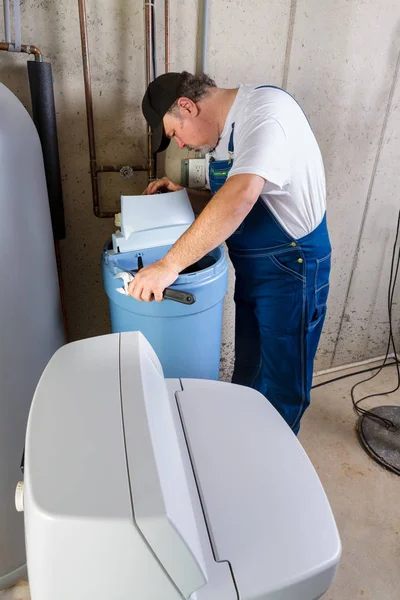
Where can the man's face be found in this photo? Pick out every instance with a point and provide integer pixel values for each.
(189, 127)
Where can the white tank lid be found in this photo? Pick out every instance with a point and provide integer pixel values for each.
(152, 221)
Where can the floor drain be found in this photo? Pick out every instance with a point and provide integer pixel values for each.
(381, 442)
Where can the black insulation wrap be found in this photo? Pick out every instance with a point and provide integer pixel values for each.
(44, 117)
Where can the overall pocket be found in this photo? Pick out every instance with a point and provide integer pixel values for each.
(291, 262)
(218, 173)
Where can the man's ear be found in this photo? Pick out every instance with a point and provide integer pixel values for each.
(188, 107)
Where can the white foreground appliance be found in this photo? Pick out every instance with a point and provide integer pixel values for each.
(141, 488)
(31, 324)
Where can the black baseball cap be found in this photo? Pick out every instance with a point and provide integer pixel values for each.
(158, 99)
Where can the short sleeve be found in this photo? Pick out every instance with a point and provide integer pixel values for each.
(260, 145)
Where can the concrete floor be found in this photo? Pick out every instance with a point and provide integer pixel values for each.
(364, 496)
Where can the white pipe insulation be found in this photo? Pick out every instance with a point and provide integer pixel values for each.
(17, 26)
(7, 22)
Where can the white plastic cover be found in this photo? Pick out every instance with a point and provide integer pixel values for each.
(152, 221)
(108, 513)
(161, 499)
(117, 462)
(265, 507)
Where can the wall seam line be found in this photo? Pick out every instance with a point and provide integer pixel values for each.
(367, 201)
(292, 17)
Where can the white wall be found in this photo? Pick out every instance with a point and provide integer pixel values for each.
(339, 59)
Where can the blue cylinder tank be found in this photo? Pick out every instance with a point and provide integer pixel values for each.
(186, 338)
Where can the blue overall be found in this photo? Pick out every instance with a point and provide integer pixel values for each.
(281, 293)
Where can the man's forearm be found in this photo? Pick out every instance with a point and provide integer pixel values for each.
(219, 219)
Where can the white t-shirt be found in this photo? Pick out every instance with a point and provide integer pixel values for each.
(273, 139)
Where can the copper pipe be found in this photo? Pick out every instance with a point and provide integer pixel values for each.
(95, 169)
(117, 168)
(148, 28)
(148, 20)
(167, 45)
(89, 110)
(26, 48)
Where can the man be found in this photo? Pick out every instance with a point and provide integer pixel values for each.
(267, 181)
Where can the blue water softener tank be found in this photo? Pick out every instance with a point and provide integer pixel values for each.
(31, 327)
(185, 332)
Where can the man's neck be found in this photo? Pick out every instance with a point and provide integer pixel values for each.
(221, 103)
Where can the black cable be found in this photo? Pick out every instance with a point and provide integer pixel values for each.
(391, 342)
(388, 364)
(392, 284)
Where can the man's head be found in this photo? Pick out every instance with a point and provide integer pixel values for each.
(174, 106)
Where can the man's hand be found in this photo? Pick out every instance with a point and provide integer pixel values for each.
(150, 282)
(162, 184)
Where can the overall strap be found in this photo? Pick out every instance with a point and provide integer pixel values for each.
(230, 145)
(275, 87)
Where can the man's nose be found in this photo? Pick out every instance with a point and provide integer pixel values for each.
(180, 144)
